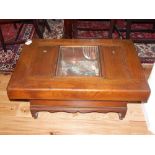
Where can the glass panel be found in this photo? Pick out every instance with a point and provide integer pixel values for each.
(78, 61)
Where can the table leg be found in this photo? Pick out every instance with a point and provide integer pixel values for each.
(34, 114)
(122, 114)
(2, 40)
(68, 28)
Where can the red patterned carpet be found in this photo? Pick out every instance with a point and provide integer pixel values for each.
(121, 24)
(8, 59)
(146, 52)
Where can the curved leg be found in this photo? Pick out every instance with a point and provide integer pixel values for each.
(2, 40)
(121, 115)
(34, 114)
(37, 29)
(47, 26)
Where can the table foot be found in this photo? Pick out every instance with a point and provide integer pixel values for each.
(34, 114)
(122, 115)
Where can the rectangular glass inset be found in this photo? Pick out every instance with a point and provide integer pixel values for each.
(78, 61)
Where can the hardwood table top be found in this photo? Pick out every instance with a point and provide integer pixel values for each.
(121, 78)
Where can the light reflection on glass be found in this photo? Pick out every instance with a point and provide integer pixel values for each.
(78, 61)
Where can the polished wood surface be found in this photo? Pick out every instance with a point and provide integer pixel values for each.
(15, 118)
(122, 78)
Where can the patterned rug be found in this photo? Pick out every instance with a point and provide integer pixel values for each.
(57, 29)
(121, 24)
(146, 52)
(8, 59)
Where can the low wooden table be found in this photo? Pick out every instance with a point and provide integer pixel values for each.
(79, 76)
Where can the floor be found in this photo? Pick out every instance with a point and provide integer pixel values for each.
(15, 118)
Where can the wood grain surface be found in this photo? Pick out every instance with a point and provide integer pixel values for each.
(15, 118)
(123, 79)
